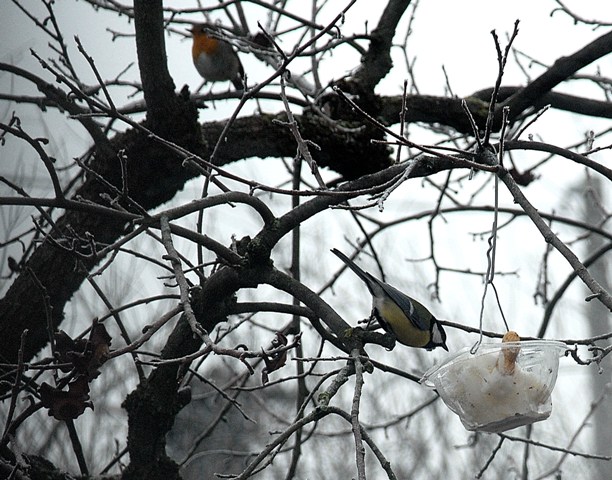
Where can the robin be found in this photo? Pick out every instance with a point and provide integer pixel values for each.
(214, 59)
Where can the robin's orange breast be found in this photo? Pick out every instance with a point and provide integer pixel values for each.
(215, 60)
(203, 44)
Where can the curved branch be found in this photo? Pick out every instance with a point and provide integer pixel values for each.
(565, 285)
(153, 177)
(266, 240)
(376, 62)
(36, 144)
(57, 98)
(562, 152)
(313, 301)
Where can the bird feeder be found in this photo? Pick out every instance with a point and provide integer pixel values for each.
(501, 386)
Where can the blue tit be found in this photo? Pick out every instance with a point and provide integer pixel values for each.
(403, 317)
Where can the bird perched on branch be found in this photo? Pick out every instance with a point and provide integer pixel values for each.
(403, 317)
(215, 59)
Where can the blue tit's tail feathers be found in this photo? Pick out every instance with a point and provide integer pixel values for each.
(365, 276)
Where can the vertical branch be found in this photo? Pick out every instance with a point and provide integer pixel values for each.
(157, 84)
(15, 390)
(502, 58)
(303, 150)
(181, 280)
(77, 447)
(295, 322)
(356, 426)
(314, 62)
(430, 229)
(119, 322)
(527, 451)
(48, 311)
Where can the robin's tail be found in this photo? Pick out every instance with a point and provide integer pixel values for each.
(239, 80)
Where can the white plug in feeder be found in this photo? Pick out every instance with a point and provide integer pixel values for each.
(501, 386)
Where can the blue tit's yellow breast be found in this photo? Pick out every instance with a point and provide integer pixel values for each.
(402, 327)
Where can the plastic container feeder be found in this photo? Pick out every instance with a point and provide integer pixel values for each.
(500, 387)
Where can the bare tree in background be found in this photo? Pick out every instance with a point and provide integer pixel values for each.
(241, 361)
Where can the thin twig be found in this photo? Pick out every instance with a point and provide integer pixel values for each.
(555, 449)
(491, 458)
(501, 62)
(181, 280)
(15, 390)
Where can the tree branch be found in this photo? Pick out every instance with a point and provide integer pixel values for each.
(561, 70)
